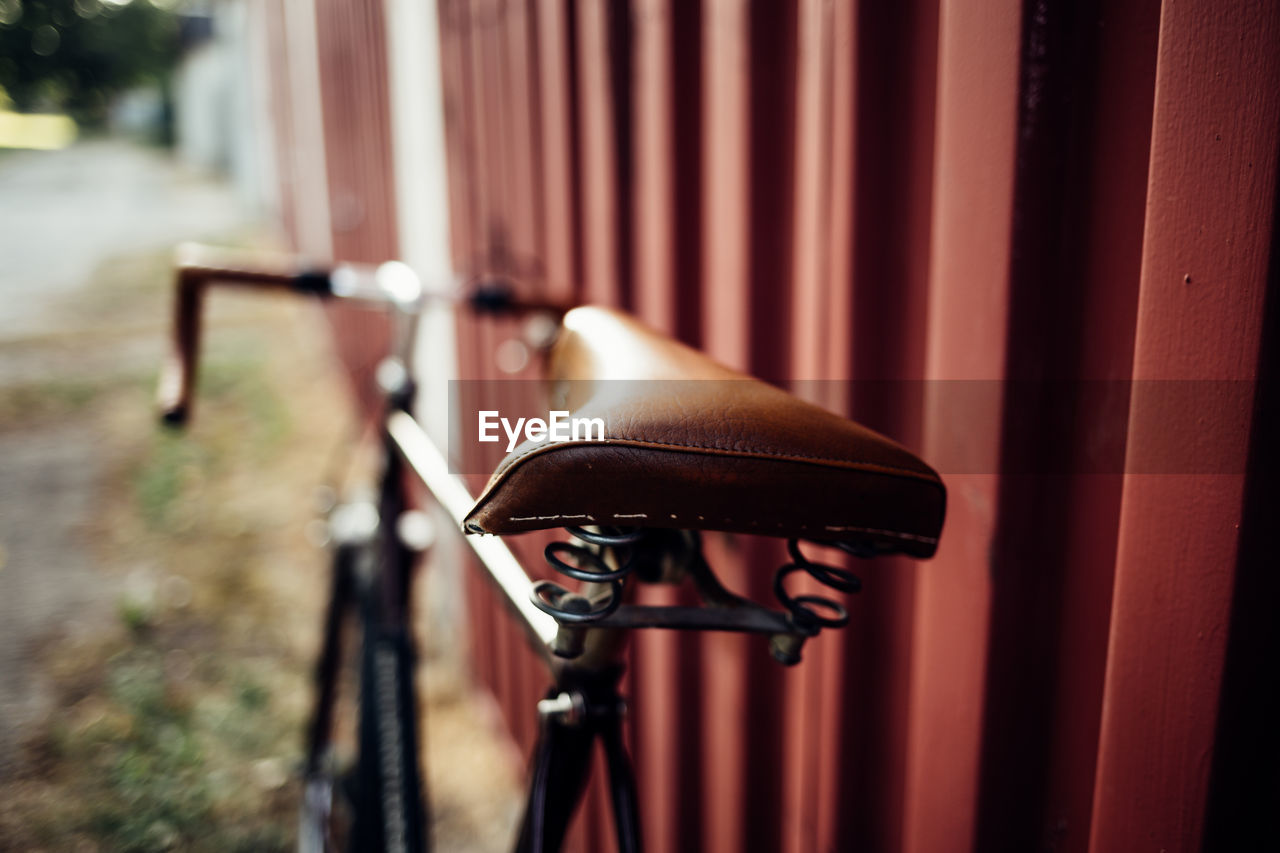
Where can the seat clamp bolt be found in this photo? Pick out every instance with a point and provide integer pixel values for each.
(567, 708)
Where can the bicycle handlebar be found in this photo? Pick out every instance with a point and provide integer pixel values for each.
(197, 267)
(391, 283)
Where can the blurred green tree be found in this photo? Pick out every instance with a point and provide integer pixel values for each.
(75, 56)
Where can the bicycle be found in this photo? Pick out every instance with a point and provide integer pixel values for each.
(771, 469)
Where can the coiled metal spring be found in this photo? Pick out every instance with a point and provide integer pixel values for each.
(589, 565)
(805, 610)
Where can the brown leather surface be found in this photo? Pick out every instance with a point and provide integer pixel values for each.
(692, 444)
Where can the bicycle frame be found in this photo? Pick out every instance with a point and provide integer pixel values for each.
(584, 657)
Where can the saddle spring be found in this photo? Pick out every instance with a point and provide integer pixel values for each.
(592, 560)
(587, 564)
(805, 610)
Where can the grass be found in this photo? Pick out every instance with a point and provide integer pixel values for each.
(178, 725)
(178, 728)
(46, 400)
(252, 421)
(165, 760)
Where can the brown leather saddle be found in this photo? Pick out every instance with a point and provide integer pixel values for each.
(690, 444)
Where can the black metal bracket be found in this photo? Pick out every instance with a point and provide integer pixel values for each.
(609, 557)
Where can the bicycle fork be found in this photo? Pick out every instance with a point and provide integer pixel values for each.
(372, 574)
(392, 814)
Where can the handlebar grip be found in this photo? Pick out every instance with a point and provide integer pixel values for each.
(178, 374)
(196, 268)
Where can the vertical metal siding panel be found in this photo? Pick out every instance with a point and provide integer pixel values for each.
(653, 100)
(1246, 752)
(529, 236)
(807, 777)
(483, 609)
(556, 102)
(465, 141)
(1046, 331)
(748, 267)
(663, 756)
(725, 698)
(1215, 140)
(666, 666)
(726, 182)
(493, 176)
(848, 735)
(355, 94)
(665, 759)
(725, 335)
(895, 48)
(833, 323)
(500, 167)
(688, 120)
(455, 90)
(461, 108)
(797, 802)
(839, 696)
(310, 186)
(978, 76)
(507, 232)
(1104, 214)
(603, 134)
(490, 251)
(475, 348)
(483, 171)
(522, 149)
(883, 331)
(599, 200)
(856, 683)
(527, 242)
(282, 118)
(811, 284)
(1015, 571)
(506, 238)
(771, 81)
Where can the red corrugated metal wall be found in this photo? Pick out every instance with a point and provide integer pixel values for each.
(947, 191)
(331, 119)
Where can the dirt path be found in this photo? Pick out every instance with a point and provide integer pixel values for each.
(49, 585)
(63, 214)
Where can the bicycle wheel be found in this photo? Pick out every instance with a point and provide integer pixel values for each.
(363, 788)
(326, 813)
